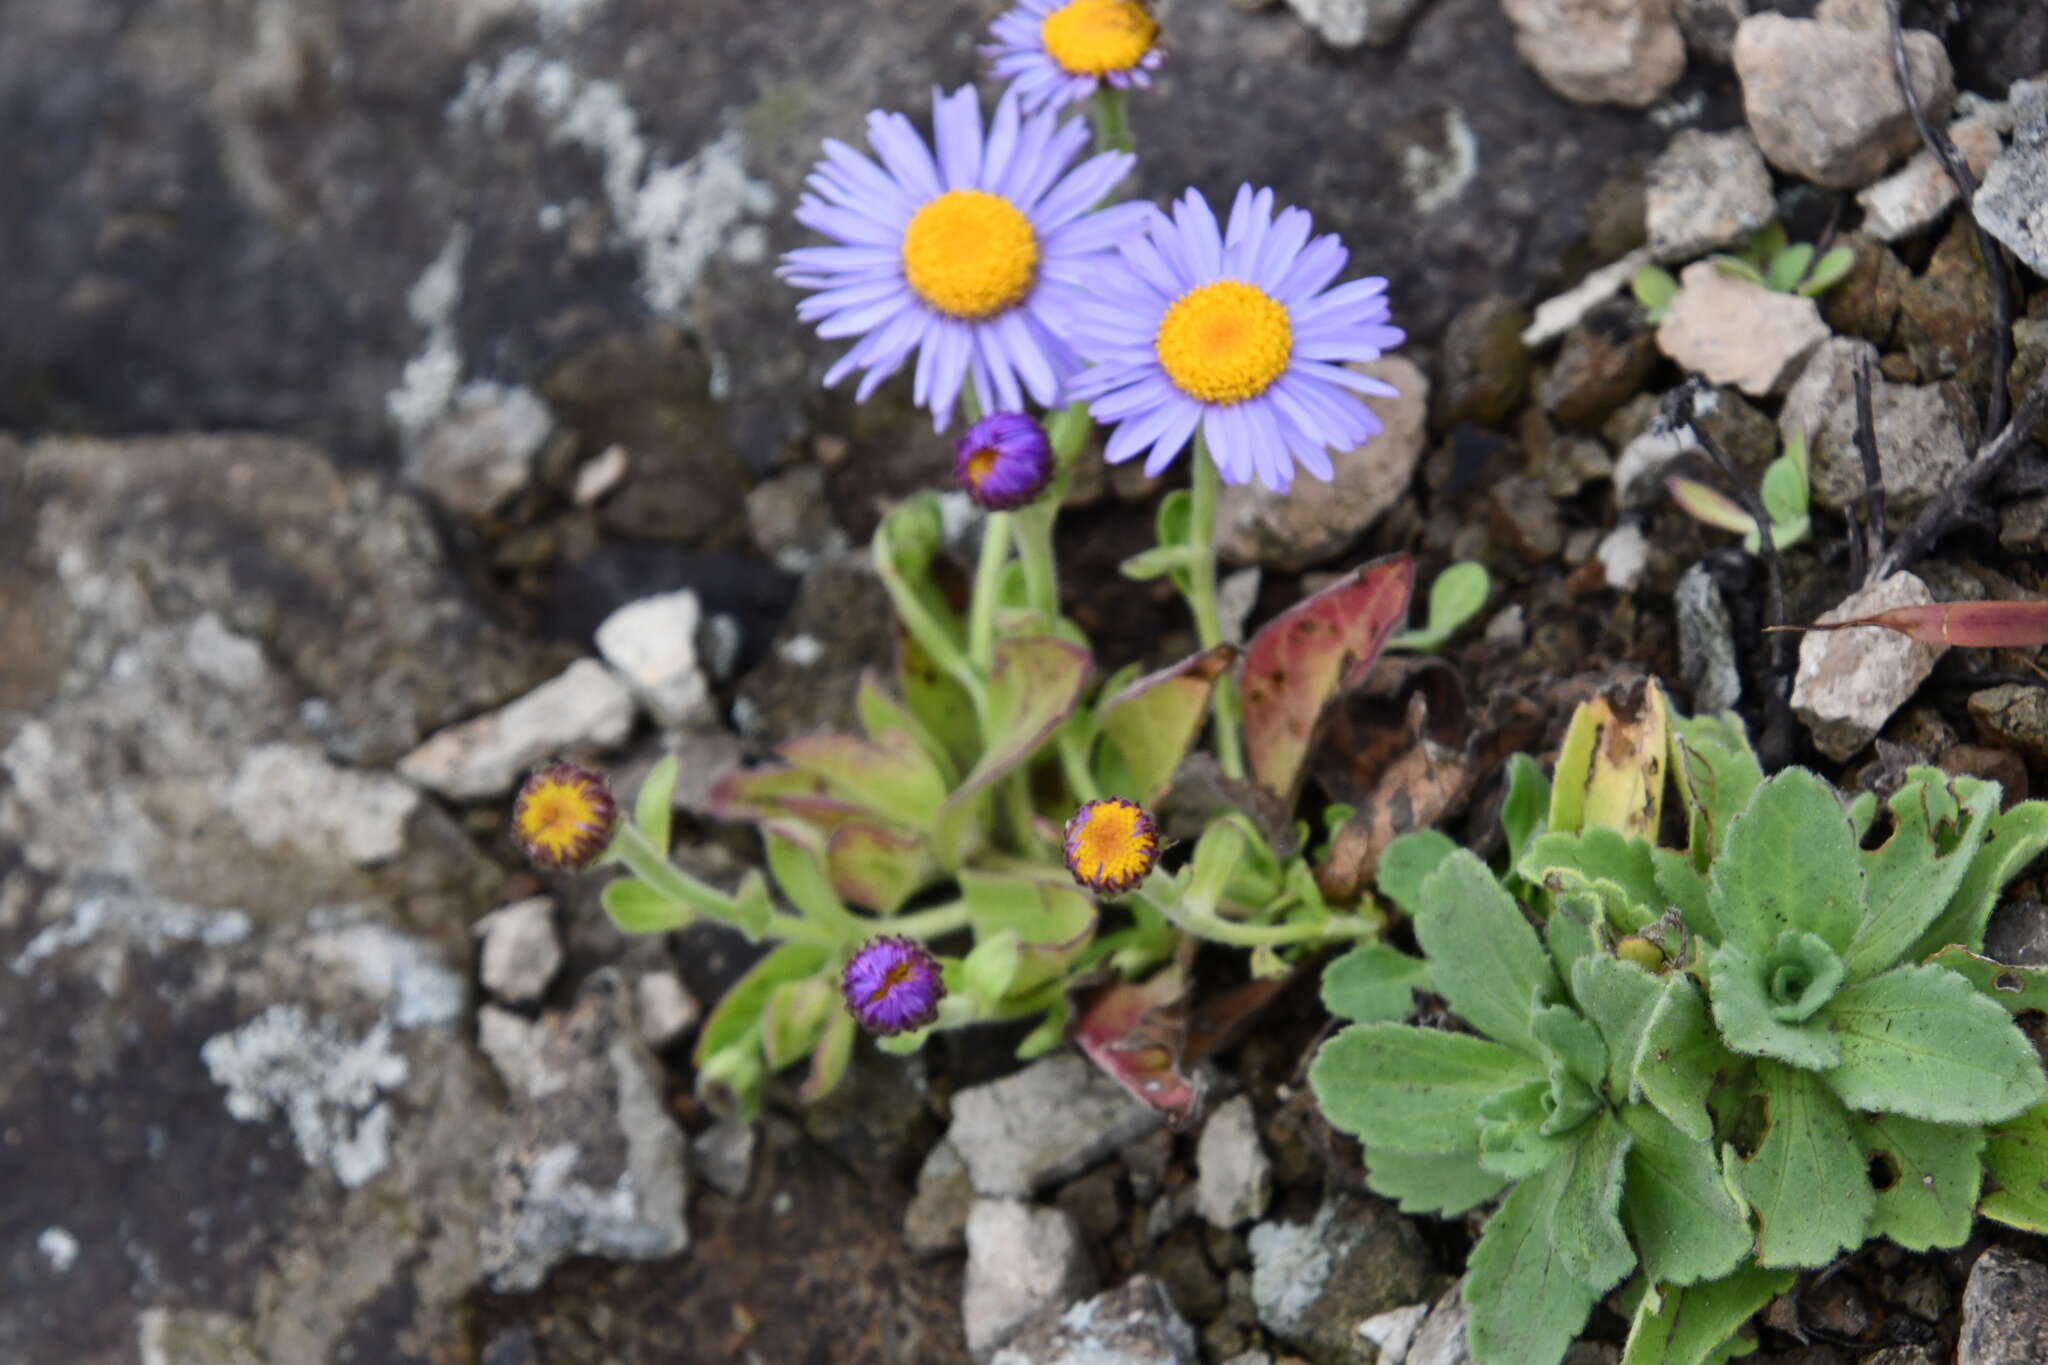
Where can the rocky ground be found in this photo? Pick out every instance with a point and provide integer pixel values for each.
(361, 363)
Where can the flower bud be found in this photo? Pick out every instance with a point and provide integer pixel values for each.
(563, 816)
(892, 985)
(1110, 846)
(1003, 461)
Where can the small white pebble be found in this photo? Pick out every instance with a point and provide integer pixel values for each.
(58, 1247)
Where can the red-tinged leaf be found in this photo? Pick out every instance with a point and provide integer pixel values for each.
(1709, 505)
(776, 793)
(1980, 625)
(1031, 689)
(878, 867)
(1306, 655)
(1154, 721)
(1137, 1034)
(891, 775)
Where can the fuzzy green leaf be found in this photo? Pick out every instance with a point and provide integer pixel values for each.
(1053, 922)
(1587, 1222)
(1525, 810)
(1407, 863)
(2014, 839)
(1750, 1016)
(739, 1012)
(1933, 1172)
(2016, 1171)
(1154, 720)
(794, 1019)
(1412, 1089)
(653, 809)
(1374, 984)
(891, 775)
(1571, 1041)
(1828, 271)
(1458, 595)
(1573, 930)
(1681, 885)
(1614, 866)
(877, 866)
(1485, 960)
(1445, 1184)
(637, 908)
(985, 974)
(1910, 880)
(1696, 1325)
(1790, 864)
(1524, 1130)
(1716, 773)
(829, 1058)
(1653, 288)
(796, 859)
(1686, 1223)
(1920, 1041)
(1740, 269)
(1032, 686)
(1660, 1045)
(1806, 1181)
(2014, 988)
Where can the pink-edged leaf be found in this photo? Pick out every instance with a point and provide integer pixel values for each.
(1154, 721)
(1709, 505)
(1053, 922)
(829, 1058)
(1031, 689)
(891, 775)
(943, 706)
(777, 793)
(1136, 1034)
(878, 867)
(1309, 653)
(881, 713)
(1979, 625)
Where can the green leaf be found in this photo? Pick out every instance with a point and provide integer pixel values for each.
(1685, 1222)
(1920, 1041)
(1374, 984)
(1654, 288)
(1572, 931)
(1615, 867)
(1752, 1019)
(2014, 988)
(1484, 958)
(880, 714)
(1411, 1089)
(1710, 506)
(1738, 268)
(1407, 863)
(1525, 810)
(1790, 864)
(1828, 271)
(1660, 1045)
(1784, 492)
(829, 1058)
(739, 1012)
(1526, 1305)
(1458, 595)
(637, 908)
(1571, 1041)
(1806, 1182)
(1716, 774)
(2015, 839)
(940, 703)
(892, 775)
(2016, 1171)
(986, 972)
(796, 859)
(654, 808)
(1523, 1131)
(1050, 1033)
(1154, 721)
(1053, 922)
(1587, 1221)
(751, 907)
(1927, 1177)
(1788, 267)
(1910, 880)
(1681, 885)
(1031, 688)
(794, 1019)
(1157, 562)
(1696, 1325)
(1447, 1184)
(879, 867)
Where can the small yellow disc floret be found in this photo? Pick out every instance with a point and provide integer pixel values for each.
(1224, 342)
(1095, 37)
(970, 254)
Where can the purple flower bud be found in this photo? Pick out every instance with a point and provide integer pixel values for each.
(563, 816)
(1003, 461)
(892, 985)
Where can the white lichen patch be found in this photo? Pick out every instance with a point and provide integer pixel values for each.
(289, 794)
(327, 1086)
(801, 651)
(1436, 175)
(149, 923)
(406, 975)
(674, 217)
(430, 379)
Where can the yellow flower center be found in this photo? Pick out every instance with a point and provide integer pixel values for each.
(1093, 37)
(970, 254)
(1224, 342)
(1115, 845)
(556, 816)
(979, 464)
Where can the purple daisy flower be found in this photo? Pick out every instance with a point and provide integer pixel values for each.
(971, 260)
(1236, 331)
(892, 985)
(1058, 52)
(1003, 461)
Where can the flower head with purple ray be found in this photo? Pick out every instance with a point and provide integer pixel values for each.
(1238, 332)
(892, 985)
(971, 260)
(1003, 461)
(1059, 52)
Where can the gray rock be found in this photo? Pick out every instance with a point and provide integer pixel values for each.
(521, 953)
(1393, 1332)
(1851, 681)
(1914, 197)
(290, 796)
(1313, 520)
(1134, 1324)
(723, 1155)
(2005, 1311)
(790, 518)
(593, 1165)
(585, 706)
(653, 645)
(1706, 642)
(1602, 364)
(1482, 368)
(1021, 1261)
(1525, 518)
(2012, 203)
(1735, 331)
(2014, 715)
(1233, 1174)
(1314, 1283)
(1600, 51)
(1441, 1339)
(1707, 190)
(665, 1009)
(936, 1220)
(1925, 433)
(1052, 1120)
(1822, 99)
(1623, 553)
(482, 450)
(1354, 23)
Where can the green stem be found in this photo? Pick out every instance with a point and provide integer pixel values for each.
(1034, 551)
(1074, 765)
(988, 574)
(926, 924)
(1108, 116)
(1208, 483)
(1217, 929)
(930, 634)
(651, 866)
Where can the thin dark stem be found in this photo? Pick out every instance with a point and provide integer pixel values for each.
(1995, 268)
(1950, 508)
(1857, 559)
(1866, 446)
